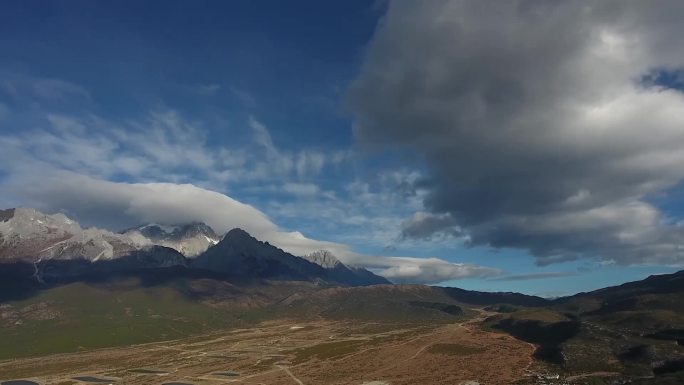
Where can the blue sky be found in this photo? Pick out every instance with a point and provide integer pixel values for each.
(308, 112)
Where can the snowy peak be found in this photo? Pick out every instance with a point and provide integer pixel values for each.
(27, 234)
(30, 223)
(94, 245)
(323, 258)
(340, 272)
(30, 235)
(190, 239)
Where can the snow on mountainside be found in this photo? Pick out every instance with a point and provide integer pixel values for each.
(323, 258)
(94, 245)
(54, 241)
(26, 223)
(190, 240)
(29, 235)
(339, 271)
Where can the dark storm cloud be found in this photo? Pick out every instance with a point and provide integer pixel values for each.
(535, 121)
(425, 225)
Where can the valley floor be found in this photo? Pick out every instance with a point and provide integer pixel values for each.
(274, 353)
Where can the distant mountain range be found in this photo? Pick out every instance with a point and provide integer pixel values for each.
(56, 248)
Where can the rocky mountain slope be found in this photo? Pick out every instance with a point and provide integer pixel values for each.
(634, 330)
(324, 259)
(29, 235)
(190, 239)
(338, 271)
(239, 254)
(54, 249)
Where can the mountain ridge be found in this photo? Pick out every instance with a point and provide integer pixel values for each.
(190, 239)
(46, 241)
(340, 271)
(240, 254)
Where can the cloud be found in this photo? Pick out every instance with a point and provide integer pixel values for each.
(364, 212)
(301, 189)
(303, 163)
(535, 121)
(262, 136)
(160, 145)
(424, 225)
(531, 276)
(21, 87)
(420, 270)
(120, 205)
(309, 162)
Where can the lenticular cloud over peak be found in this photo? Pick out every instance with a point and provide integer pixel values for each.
(547, 126)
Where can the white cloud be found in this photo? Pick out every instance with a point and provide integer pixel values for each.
(160, 146)
(364, 212)
(20, 87)
(303, 163)
(309, 163)
(262, 136)
(423, 270)
(301, 189)
(540, 123)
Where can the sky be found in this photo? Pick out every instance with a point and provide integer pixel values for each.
(522, 146)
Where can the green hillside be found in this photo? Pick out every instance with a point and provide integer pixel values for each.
(86, 316)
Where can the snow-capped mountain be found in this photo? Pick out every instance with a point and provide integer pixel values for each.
(23, 225)
(29, 235)
(56, 248)
(340, 272)
(323, 258)
(190, 240)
